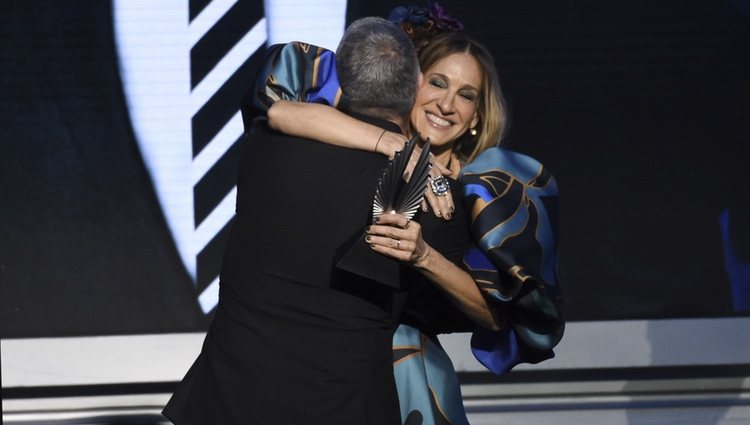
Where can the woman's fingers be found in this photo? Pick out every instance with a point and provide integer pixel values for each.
(442, 206)
(396, 236)
(392, 252)
(397, 220)
(438, 205)
(394, 231)
(446, 205)
(400, 249)
(390, 143)
(403, 245)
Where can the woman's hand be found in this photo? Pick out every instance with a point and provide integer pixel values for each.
(442, 206)
(396, 236)
(389, 143)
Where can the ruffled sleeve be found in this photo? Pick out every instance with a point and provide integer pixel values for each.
(299, 72)
(513, 202)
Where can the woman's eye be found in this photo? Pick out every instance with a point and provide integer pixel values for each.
(437, 83)
(468, 96)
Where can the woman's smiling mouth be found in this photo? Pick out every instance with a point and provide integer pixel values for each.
(440, 122)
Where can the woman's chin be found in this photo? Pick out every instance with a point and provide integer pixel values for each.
(438, 141)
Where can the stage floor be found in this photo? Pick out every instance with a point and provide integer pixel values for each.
(707, 415)
(565, 411)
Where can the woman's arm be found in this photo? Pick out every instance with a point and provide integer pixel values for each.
(454, 281)
(329, 125)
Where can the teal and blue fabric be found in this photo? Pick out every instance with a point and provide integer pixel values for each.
(428, 387)
(297, 72)
(513, 201)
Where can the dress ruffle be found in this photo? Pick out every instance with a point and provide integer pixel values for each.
(513, 201)
(297, 72)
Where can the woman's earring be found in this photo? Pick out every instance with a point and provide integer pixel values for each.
(473, 131)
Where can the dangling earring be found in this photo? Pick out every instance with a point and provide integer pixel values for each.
(473, 131)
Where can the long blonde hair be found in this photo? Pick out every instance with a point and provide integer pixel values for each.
(491, 109)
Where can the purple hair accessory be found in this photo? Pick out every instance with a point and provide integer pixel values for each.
(431, 19)
(443, 21)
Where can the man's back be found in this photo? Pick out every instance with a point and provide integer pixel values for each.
(298, 203)
(294, 340)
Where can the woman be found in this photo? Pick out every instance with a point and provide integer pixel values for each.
(507, 282)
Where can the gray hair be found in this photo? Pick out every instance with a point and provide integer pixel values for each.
(377, 68)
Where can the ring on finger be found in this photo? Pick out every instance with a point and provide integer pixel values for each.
(406, 226)
(398, 244)
(440, 186)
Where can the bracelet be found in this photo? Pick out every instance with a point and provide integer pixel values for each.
(378, 142)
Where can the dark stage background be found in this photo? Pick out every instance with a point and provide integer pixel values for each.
(640, 109)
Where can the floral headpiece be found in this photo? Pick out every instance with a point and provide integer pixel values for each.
(422, 23)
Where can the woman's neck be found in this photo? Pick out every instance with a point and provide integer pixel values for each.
(448, 159)
(443, 157)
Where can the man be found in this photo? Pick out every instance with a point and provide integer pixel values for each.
(296, 340)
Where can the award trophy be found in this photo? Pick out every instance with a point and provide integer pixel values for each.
(394, 194)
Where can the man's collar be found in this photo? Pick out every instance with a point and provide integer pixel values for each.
(384, 124)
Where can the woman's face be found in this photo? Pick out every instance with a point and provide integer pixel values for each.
(446, 105)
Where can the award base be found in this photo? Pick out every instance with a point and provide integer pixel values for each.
(361, 260)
